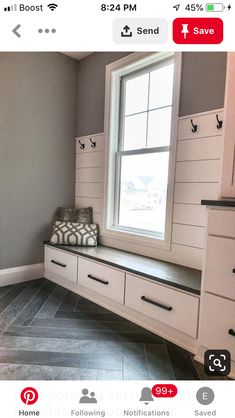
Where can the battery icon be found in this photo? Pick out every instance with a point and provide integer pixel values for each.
(215, 7)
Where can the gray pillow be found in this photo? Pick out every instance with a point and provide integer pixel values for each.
(83, 215)
(73, 233)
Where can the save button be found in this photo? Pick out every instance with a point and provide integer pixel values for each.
(198, 31)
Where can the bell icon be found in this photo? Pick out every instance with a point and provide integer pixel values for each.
(146, 395)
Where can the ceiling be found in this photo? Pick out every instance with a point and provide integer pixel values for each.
(78, 55)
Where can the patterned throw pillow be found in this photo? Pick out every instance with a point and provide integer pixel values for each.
(82, 216)
(73, 233)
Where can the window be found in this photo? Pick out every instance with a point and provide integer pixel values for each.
(140, 149)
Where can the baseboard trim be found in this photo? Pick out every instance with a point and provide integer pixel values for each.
(21, 274)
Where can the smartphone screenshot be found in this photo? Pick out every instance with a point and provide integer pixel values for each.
(117, 208)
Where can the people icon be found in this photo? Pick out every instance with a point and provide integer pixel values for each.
(86, 398)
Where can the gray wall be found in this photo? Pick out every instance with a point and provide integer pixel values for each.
(203, 82)
(202, 86)
(91, 91)
(38, 93)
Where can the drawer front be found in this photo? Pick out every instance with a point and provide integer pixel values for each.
(61, 263)
(218, 318)
(220, 267)
(221, 222)
(175, 309)
(101, 279)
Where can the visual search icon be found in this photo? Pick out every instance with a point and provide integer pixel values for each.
(146, 395)
(217, 362)
(87, 398)
(29, 396)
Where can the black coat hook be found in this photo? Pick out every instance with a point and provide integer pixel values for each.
(194, 127)
(220, 122)
(82, 146)
(93, 143)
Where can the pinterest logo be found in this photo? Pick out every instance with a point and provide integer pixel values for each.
(29, 396)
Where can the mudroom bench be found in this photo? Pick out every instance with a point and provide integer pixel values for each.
(159, 296)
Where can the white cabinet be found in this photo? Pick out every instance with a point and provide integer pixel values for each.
(107, 281)
(171, 307)
(228, 164)
(163, 309)
(220, 267)
(218, 324)
(61, 263)
(217, 311)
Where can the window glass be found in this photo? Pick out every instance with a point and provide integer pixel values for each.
(143, 191)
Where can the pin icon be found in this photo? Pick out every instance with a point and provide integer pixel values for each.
(29, 396)
(185, 30)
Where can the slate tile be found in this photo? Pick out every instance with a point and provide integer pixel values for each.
(32, 308)
(135, 368)
(70, 302)
(16, 306)
(159, 365)
(73, 333)
(110, 375)
(52, 304)
(29, 372)
(11, 295)
(45, 358)
(103, 316)
(181, 361)
(81, 324)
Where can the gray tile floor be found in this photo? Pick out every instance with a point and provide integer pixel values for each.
(50, 333)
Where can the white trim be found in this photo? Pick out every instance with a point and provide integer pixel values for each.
(208, 112)
(21, 274)
(112, 95)
(87, 136)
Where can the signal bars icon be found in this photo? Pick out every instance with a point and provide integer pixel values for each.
(12, 8)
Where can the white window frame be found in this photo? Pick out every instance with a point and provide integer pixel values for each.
(114, 74)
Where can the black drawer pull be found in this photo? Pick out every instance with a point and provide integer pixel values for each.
(58, 264)
(231, 332)
(233, 270)
(167, 308)
(97, 280)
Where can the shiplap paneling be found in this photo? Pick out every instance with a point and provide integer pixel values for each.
(198, 171)
(197, 176)
(89, 190)
(194, 192)
(84, 202)
(192, 236)
(179, 254)
(209, 148)
(89, 175)
(188, 214)
(206, 125)
(90, 159)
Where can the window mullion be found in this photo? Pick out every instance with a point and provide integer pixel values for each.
(144, 151)
(147, 127)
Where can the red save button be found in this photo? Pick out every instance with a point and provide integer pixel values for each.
(198, 31)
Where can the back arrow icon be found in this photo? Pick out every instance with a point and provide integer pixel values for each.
(15, 31)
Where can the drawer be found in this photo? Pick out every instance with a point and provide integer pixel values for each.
(221, 222)
(218, 318)
(107, 281)
(61, 263)
(173, 308)
(219, 267)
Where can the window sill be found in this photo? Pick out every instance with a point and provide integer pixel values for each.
(134, 238)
